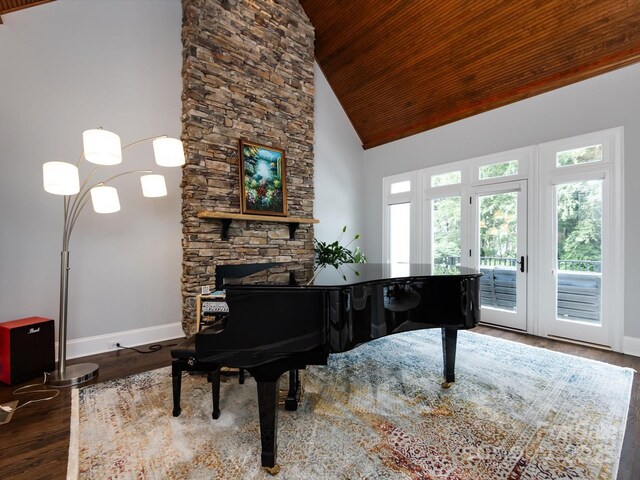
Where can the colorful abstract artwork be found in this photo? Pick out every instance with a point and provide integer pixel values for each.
(262, 179)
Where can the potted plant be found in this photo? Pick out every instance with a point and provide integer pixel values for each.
(334, 254)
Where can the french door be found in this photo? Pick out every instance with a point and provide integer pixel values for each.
(560, 201)
(575, 285)
(581, 241)
(499, 250)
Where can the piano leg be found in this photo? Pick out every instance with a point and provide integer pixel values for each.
(449, 341)
(293, 396)
(214, 378)
(268, 409)
(176, 380)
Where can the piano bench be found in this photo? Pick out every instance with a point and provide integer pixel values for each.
(183, 359)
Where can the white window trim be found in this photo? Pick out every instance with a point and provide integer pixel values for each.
(611, 149)
(525, 157)
(426, 239)
(427, 173)
(388, 199)
(519, 186)
(610, 170)
(529, 168)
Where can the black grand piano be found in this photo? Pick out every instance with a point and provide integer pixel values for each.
(287, 317)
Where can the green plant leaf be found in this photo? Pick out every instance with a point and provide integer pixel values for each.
(335, 254)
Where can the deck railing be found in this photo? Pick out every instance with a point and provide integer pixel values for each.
(580, 265)
(578, 283)
(563, 265)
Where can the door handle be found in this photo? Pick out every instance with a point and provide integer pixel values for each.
(521, 263)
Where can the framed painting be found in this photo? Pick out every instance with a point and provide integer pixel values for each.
(263, 187)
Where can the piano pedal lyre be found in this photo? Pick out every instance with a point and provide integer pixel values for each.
(283, 393)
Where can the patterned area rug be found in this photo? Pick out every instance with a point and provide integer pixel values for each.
(515, 412)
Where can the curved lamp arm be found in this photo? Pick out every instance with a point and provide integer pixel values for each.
(81, 200)
(73, 207)
(143, 140)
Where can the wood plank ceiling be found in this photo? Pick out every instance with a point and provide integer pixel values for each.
(8, 6)
(401, 67)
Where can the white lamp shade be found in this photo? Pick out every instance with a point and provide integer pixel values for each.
(61, 178)
(102, 147)
(153, 186)
(169, 152)
(105, 199)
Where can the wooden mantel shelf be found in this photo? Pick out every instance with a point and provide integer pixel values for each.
(226, 218)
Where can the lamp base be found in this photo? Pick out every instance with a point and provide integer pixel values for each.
(73, 375)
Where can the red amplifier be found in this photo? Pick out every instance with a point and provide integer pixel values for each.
(26, 349)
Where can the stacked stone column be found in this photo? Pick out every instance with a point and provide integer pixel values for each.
(247, 73)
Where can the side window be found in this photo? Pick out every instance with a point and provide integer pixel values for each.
(446, 223)
(400, 233)
(398, 218)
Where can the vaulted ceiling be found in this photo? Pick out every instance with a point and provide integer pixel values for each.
(401, 67)
(8, 6)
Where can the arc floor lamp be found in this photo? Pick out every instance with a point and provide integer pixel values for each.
(101, 147)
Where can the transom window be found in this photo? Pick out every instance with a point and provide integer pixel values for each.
(578, 156)
(448, 178)
(401, 187)
(495, 170)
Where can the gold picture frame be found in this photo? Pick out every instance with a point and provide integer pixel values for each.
(263, 185)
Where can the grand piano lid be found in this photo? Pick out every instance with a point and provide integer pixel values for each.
(298, 275)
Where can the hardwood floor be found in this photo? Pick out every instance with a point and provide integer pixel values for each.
(35, 443)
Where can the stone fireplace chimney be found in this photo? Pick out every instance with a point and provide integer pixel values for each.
(247, 73)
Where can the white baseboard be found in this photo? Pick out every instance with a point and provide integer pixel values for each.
(83, 347)
(631, 346)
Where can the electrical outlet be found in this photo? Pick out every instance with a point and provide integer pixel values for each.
(114, 344)
(206, 290)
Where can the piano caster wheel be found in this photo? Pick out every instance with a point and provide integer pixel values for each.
(176, 412)
(446, 384)
(273, 470)
(216, 414)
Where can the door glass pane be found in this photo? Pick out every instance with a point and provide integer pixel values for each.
(578, 156)
(502, 169)
(445, 228)
(399, 232)
(449, 178)
(579, 236)
(498, 249)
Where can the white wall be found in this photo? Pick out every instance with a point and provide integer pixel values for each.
(338, 167)
(71, 65)
(606, 101)
(68, 66)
